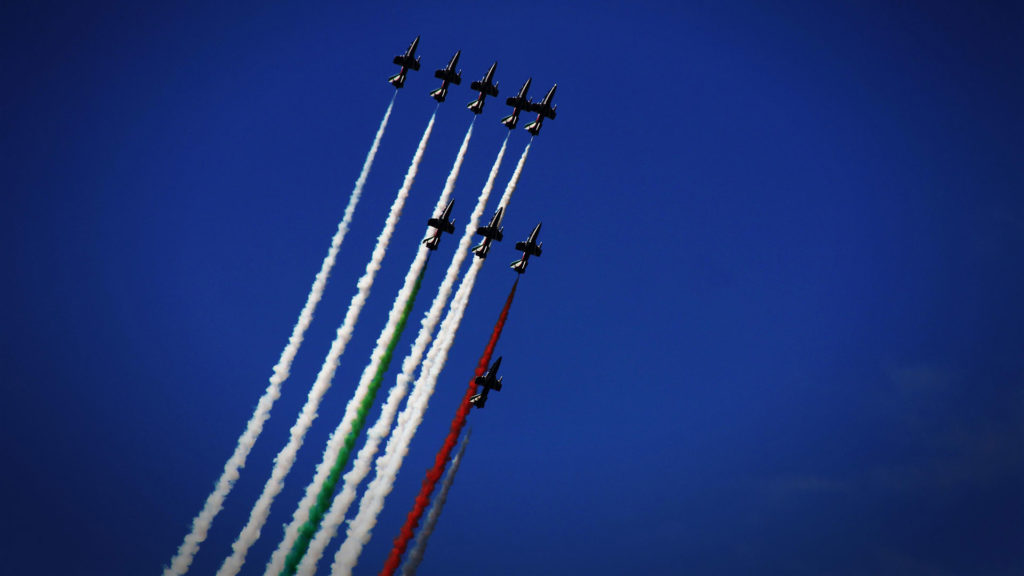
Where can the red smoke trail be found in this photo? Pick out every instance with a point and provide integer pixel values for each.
(434, 474)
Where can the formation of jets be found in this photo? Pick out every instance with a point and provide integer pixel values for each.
(485, 87)
(493, 231)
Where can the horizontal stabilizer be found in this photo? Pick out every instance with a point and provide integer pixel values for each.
(478, 400)
(439, 94)
(398, 80)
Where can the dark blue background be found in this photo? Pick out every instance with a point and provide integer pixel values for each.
(777, 327)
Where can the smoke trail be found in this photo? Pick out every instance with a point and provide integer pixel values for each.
(434, 474)
(514, 181)
(420, 545)
(381, 428)
(372, 503)
(286, 457)
(321, 490)
(215, 501)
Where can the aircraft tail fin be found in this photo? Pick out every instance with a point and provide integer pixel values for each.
(439, 94)
(510, 121)
(533, 127)
(477, 106)
(398, 80)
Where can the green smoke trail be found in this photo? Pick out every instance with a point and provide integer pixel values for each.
(323, 499)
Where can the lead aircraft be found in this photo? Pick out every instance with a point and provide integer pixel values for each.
(544, 109)
(407, 61)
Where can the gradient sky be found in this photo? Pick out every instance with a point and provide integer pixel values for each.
(777, 327)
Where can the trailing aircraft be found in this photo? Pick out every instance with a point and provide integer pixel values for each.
(529, 248)
(490, 382)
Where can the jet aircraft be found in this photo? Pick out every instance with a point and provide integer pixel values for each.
(489, 382)
(493, 231)
(518, 104)
(544, 109)
(442, 223)
(485, 88)
(407, 61)
(448, 75)
(529, 248)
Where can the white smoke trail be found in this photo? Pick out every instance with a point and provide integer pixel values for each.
(286, 457)
(381, 428)
(360, 529)
(215, 501)
(419, 546)
(337, 439)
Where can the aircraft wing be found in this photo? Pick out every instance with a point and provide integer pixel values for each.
(492, 233)
(488, 89)
(531, 249)
(541, 108)
(410, 63)
(449, 75)
(445, 225)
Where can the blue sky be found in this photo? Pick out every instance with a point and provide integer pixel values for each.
(776, 327)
